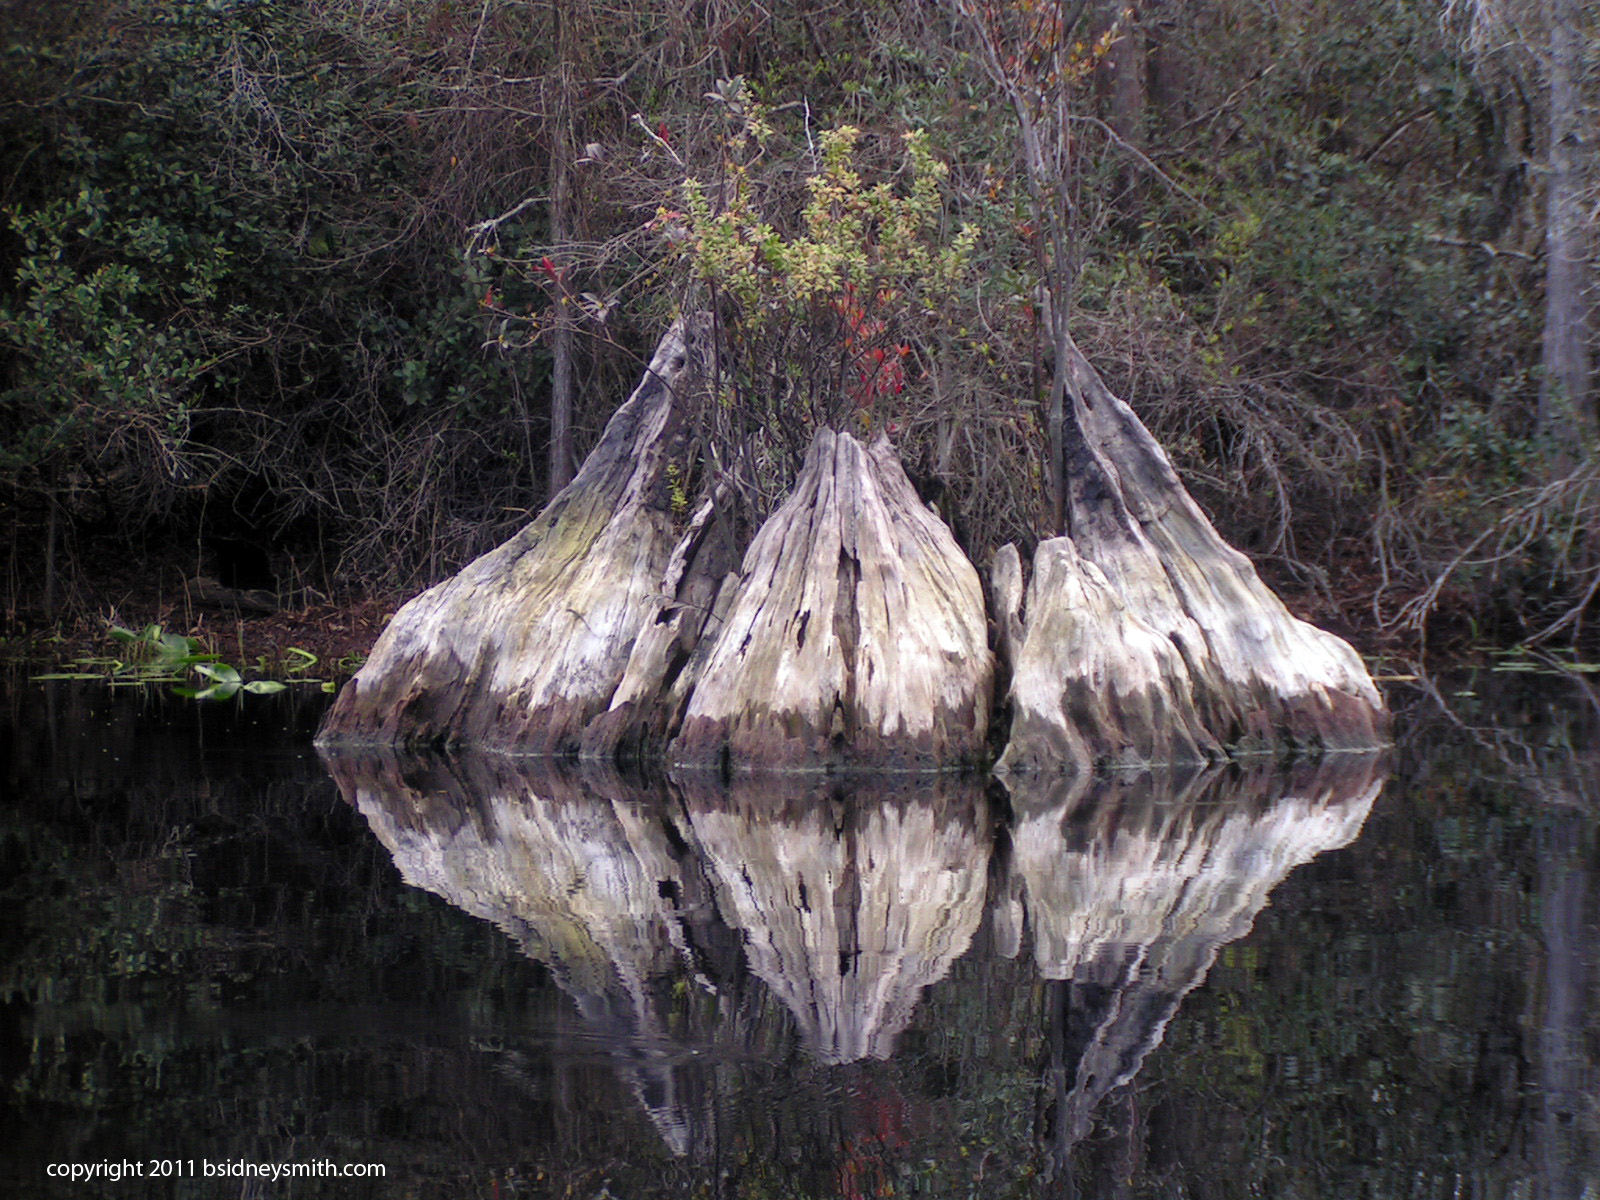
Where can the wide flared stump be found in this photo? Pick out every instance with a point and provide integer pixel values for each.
(527, 644)
(1144, 638)
(855, 632)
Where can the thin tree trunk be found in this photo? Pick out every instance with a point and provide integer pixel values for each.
(1564, 884)
(1041, 103)
(561, 343)
(1565, 410)
(1122, 80)
(50, 538)
(1126, 66)
(561, 385)
(1166, 73)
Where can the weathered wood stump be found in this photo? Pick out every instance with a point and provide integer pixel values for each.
(1144, 638)
(855, 631)
(647, 707)
(527, 644)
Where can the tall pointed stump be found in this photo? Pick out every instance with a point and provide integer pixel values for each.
(527, 644)
(1143, 637)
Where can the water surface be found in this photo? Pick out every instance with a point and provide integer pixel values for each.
(1366, 977)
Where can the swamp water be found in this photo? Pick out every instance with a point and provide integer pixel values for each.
(1369, 977)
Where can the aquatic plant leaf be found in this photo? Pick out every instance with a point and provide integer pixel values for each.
(296, 660)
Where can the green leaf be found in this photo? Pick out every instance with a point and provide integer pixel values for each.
(176, 645)
(299, 660)
(265, 687)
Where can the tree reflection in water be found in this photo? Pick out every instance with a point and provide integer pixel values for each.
(847, 897)
(1131, 886)
(207, 953)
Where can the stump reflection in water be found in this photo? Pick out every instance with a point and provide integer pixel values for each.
(850, 898)
(1132, 885)
(675, 916)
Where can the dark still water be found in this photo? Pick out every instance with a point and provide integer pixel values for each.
(485, 981)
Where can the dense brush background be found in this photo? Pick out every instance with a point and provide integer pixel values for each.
(325, 297)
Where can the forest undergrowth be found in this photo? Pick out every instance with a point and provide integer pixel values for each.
(314, 302)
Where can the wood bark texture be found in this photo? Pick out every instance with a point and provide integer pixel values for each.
(647, 707)
(1144, 638)
(854, 633)
(521, 649)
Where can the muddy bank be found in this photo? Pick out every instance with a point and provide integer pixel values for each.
(340, 635)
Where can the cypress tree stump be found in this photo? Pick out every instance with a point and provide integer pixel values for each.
(527, 644)
(647, 707)
(1143, 637)
(855, 631)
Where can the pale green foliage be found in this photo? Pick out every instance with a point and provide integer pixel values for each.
(154, 655)
(827, 300)
(878, 240)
